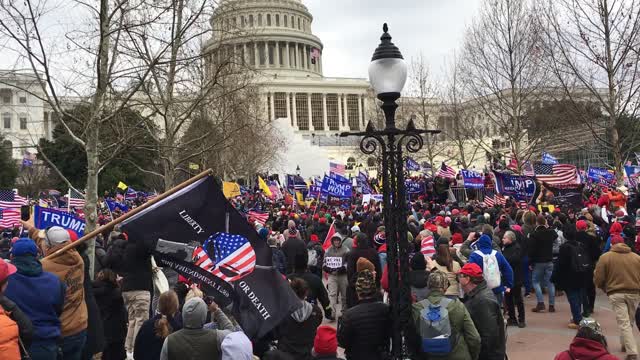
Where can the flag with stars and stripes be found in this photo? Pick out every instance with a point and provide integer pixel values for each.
(9, 199)
(337, 168)
(558, 174)
(9, 218)
(446, 172)
(198, 233)
(75, 199)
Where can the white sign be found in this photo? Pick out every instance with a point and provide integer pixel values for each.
(333, 262)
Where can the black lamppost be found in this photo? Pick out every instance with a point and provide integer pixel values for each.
(298, 170)
(388, 74)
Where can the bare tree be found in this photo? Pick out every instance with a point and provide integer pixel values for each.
(501, 67)
(593, 46)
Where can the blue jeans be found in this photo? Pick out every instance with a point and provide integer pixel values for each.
(527, 274)
(45, 350)
(575, 297)
(72, 346)
(542, 274)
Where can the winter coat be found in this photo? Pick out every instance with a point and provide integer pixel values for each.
(454, 287)
(364, 331)
(487, 317)
(112, 311)
(618, 271)
(278, 260)
(513, 254)
(585, 349)
(591, 244)
(563, 275)
(466, 345)
(291, 248)
(333, 252)
(148, 345)
(541, 245)
(95, 329)
(69, 268)
(418, 282)
(368, 253)
(131, 259)
(25, 289)
(317, 247)
(485, 246)
(25, 327)
(317, 290)
(296, 332)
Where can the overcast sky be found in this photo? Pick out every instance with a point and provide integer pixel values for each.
(350, 30)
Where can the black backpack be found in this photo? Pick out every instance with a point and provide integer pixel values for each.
(580, 260)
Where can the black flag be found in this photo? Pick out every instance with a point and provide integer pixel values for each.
(199, 234)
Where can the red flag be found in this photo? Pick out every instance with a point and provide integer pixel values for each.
(327, 241)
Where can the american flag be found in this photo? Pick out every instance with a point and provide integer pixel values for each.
(234, 256)
(427, 246)
(489, 200)
(258, 216)
(446, 172)
(9, 218)
(556, 174)
(9, 199)
(131, 194)
(336, 168)
(152, 196)
(76, 199)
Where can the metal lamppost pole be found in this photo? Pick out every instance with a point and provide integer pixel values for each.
(388, 74)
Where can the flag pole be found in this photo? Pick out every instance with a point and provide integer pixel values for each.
(131, 213)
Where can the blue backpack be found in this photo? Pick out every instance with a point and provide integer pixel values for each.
(434, 327)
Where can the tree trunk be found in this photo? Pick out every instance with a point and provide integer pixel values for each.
(91, 195)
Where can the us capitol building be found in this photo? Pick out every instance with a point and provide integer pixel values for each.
(275, 38)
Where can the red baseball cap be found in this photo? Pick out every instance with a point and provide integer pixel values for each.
(6, 269)
(581, 225)
(471, 270)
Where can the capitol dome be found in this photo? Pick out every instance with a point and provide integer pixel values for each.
(270, 35)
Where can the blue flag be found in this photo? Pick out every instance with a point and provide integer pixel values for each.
(472, 179)
(519, 187)
(113, 205)
(414, 187)
(600, 175)
(336, 187)
(412, 165)
(47, 217)
(549, 159)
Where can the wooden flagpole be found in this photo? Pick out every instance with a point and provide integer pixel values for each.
(131, 213)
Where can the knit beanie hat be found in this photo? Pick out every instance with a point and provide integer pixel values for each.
(418, 263)
(365, 284)
(363, 264)
(456, 239)
(437, 280)
(616, 239)
(326, 341)
(24, 246)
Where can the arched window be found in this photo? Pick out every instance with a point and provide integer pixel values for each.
(293, 23)
(6, 120)
(285, 18)
(8, 145)
(351, 163)
(268, 19)
(277, 20)
(371, 162)
(251, 20)
(299, 24)
(259, 19)
(243, 21)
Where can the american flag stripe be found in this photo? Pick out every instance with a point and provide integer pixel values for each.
(337, 168)
(556, 174)
(9, 218)
(446, 172)
(242, 261)
(427, 246)
(259, 217)
(76, 199)
(10, 200)
(489, 200)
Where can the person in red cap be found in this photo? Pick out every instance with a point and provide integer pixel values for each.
(617, 273)
(484, 310)
(325, 345)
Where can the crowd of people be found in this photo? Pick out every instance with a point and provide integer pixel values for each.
(471, 266)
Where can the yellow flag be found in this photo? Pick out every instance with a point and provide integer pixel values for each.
(230, 189)
(263, 186)
(122, 185)
(193, 166)
(299, 197)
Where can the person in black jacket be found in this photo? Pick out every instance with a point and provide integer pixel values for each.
(592, 245)
(513, 253)
(297, 332)
(485, 312)
(131, 259)
(292, 247)
(95, 329)
(113, 314)
(569, 280)
(364, 331)
(541, 260)
(317, 292)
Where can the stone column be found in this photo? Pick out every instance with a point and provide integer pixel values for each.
(288, 57)
(244, 53)
(256, 58)
(273, 109)
(266, 54)
(311, 128)
(304, 56)
(340, 126)
(320, 62)
(296, 57)
(360, 120)
(277, 53)
(346, 112)
(364, 110)
(288, 104)
(324, 112)
(295, 112)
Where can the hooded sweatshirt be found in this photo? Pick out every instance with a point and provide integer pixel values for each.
(296, 333)
(485, 247)
(581, 348)
(192, 339)
(618, 271)
(237, 346)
